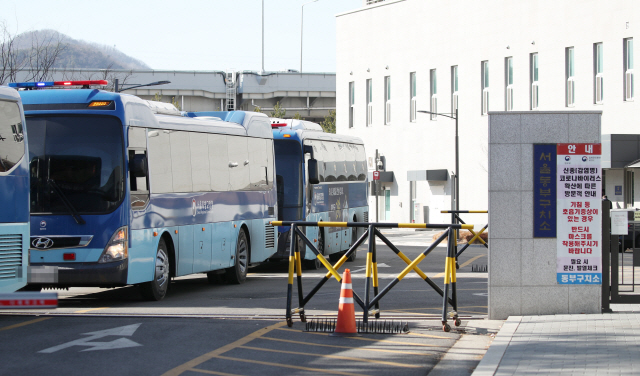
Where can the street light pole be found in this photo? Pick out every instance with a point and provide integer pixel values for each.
(302, 29)
(457, 167)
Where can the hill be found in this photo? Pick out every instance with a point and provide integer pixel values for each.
(78, 53)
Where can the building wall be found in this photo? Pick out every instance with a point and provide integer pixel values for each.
(396, 37)
(522, 269)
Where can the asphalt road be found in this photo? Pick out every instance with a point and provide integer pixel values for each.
(221, 329)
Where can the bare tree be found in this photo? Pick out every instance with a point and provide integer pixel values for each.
(11, 62)
(45, 49)
(36, 59)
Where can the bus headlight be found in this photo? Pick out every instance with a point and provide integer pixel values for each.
(116, 249)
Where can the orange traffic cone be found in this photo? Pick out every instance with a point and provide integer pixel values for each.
(346, 324)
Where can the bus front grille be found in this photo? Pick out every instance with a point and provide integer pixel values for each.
(269, 236)
(366, 217)
(10, 255)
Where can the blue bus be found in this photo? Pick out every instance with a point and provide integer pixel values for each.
(130, 192)
(14, 199)
(338, 193)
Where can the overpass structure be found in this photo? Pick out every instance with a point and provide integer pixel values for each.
(312, 95)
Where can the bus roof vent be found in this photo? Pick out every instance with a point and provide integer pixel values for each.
(163, 108)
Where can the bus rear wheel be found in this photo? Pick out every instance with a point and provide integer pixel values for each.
(237, 274)
(157, 288)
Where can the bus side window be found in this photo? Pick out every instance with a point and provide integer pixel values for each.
(201, 173)
(138, 186)
(239, 176)
(341, 161)
(257, 163)
(330, 161)
(181, 161)
(270, 162)
(361, 163)
(160, 161)
(350, 153)
(218, 162)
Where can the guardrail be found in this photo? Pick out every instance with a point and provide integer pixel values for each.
(455, 218)
(295, 266)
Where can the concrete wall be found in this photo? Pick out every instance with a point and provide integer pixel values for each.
(522, 270)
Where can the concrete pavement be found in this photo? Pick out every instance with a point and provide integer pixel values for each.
(590, 344)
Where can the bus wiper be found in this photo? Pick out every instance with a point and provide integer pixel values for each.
(79, 220)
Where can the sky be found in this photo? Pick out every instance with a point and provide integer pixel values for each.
(194, 34)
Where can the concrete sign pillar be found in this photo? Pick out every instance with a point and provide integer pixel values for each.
(523, 278)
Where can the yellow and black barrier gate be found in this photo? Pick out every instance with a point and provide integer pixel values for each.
(455, 218)
(371, 306)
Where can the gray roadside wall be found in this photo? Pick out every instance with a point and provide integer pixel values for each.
(522, 270)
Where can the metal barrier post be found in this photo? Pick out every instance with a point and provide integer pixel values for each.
(454, 220)
(299, 273)
(447, 278)
(292, 262)
(375, 279)
(367, 287)
(606, 253)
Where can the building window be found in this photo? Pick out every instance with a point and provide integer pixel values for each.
(534, 81)
(369, 103)
(485, 87)
(352, 101)
(387, 100)
(628, 69)
(413, 95)
(570, 76)
(454, 89)
(433, 95)
(508, 71)
(598, 71)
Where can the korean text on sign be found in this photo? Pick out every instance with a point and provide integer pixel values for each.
(579, 186)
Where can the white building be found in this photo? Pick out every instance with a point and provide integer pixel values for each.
(398, 56)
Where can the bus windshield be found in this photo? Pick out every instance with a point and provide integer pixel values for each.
(76, 164)
(289, 172)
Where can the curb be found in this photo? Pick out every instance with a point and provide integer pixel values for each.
(491, 360)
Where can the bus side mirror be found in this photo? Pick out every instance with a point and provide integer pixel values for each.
(138, 166)
(312, 168)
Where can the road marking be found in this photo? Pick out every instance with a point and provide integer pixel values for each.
(24, 323)
(344, 347)
(393, 364)
(215, 353)
(461, 266)
(119, 343)
(318, 370)
(212, 372)
(363, 268)
(370, 339)
(89, 310)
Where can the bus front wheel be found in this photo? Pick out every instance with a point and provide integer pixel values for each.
(237, 274)
(157, 288)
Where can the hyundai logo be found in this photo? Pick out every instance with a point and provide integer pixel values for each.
(42, 243)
